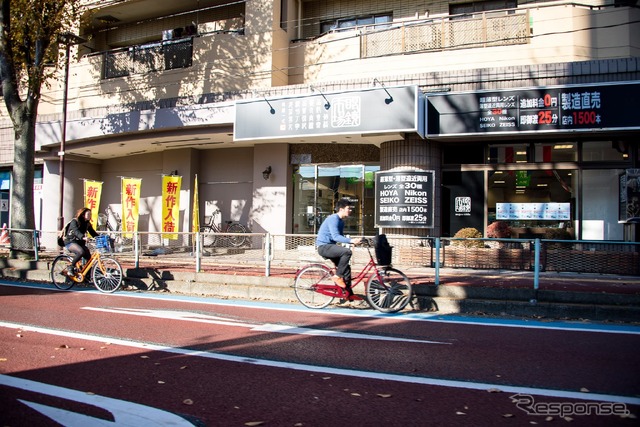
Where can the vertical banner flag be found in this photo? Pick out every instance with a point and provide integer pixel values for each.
(130, 205)
(196, 208)
(92, 193)
(171, 206)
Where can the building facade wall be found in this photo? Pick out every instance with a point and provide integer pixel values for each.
(566, 44)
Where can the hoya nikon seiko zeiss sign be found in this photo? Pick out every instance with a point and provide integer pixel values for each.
(404, 199)
(571, 108)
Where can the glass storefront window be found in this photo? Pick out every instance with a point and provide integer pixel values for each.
(556, 152)
(512, 153)
(319, 187)
(595, 151)
(532, 186)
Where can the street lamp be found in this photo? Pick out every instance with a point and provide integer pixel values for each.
(68, 39)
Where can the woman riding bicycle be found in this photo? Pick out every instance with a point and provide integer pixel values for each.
(74, 239)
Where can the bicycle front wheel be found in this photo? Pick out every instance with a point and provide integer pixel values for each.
(61, 263)
(393, 294)
(238, 239)
(107, 275)
(305, 286)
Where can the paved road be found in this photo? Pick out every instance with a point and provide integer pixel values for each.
(84, 358)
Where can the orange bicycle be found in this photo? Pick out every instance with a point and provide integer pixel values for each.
(387, 289)
(104, 272)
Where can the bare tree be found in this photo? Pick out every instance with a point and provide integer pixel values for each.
(29, 33)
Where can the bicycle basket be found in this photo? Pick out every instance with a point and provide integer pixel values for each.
(103, 243)
(383, 249)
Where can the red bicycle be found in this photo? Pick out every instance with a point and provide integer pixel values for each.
(387, 289)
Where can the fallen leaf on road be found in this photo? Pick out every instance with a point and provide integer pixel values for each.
(64, 346)
(160, 382)
(188, 402)
(3, 359)
(183, 367)
(19, 335)
(254, 423)
(568, 419)
(355, 394)
(494, 390)
(383, 395)
(507, 415)
(460, 413)
(144, 357)
(584, 390)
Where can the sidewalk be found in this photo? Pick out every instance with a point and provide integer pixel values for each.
(484, 292)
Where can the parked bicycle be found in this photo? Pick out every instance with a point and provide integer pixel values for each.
(387, 289)
(233, 229)
(114, 227)
(104, 272)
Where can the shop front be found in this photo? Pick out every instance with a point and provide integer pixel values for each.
(547, 161)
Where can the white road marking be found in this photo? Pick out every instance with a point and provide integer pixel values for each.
(282, 329)
(124, 413)
(338, 371)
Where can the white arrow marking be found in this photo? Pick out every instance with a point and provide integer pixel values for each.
(124, 413)
(282, 329)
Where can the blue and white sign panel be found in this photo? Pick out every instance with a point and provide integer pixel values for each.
(534, 211)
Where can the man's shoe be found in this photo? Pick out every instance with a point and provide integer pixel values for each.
(339, 281)
(69, 271)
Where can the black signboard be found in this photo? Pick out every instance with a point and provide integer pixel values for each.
(404, 199)
(543, 109)
(371, 110)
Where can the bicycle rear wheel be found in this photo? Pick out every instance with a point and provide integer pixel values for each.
(208, 238)
(107, 275)
(305, 286)
(61, 263)
(393, 294)
(237, 240)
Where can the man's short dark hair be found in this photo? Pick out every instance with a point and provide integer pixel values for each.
(342, 203)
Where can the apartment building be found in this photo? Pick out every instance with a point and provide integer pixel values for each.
(431, 116)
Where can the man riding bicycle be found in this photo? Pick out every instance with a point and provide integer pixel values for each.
(330, 233)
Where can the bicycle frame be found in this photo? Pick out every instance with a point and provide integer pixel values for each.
(95, 258)
(338, 292)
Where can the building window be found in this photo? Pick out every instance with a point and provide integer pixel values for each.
(597, 151)
(346, 23)
(467, 10)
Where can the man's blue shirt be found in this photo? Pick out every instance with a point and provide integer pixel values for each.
(331, 230)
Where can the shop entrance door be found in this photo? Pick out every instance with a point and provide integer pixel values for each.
(319, 187)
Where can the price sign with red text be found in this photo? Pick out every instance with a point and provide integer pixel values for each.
(544, 109)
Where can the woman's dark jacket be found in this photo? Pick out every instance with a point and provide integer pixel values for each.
(77, 230)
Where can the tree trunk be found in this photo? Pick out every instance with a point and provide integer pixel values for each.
(22, 210)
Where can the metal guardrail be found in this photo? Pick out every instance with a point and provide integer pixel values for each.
(269, 251)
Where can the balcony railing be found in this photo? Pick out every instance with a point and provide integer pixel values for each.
(158, 56)
(459, 32)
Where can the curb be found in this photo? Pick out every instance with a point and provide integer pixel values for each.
(443, 299)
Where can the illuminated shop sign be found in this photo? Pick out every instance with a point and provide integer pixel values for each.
(373, 110)
(544, 109)
(404, 199)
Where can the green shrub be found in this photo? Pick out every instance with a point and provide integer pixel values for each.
(468, 233)
(498, 230)
(557, 234)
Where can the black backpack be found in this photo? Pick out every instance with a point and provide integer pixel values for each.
(62, 233)
(383, 249)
